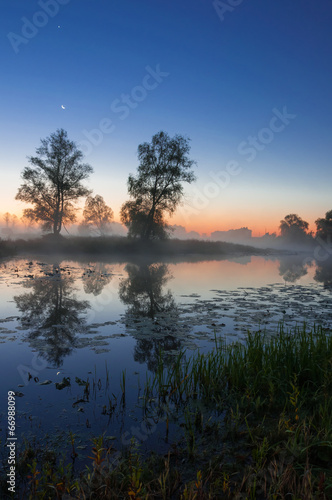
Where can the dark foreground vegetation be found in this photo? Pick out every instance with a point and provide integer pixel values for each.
(7, 248)
(125, 248)
(253, 421)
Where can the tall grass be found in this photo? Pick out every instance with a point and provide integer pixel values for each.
(264, 366)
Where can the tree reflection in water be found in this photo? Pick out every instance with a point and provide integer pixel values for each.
(95, 278)
(143, 290)
(324, 273)
(150, 309)
(52, 314)
(292, 268)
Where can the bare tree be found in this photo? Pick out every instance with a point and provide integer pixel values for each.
(97, 214)
(54, 182)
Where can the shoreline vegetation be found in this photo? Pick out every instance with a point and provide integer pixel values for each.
(7, 248)
(252, 421)
(125, 248)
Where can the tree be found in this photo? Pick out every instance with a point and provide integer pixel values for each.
(10, 221)
(324, 227)
(157, 189)
(135, 216)
(27, 223)
(97, 213)
(294, 229)
(7, 218)
(54, 182)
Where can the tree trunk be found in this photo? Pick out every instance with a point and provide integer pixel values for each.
(149, 224)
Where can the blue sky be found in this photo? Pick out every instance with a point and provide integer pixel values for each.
(221, 82)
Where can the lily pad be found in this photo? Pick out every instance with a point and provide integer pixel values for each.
(64, 383)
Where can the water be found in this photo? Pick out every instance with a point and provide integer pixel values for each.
(84, 322)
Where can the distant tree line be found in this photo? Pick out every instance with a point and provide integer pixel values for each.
(294, 229)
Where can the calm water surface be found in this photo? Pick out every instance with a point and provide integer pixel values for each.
(77, 322)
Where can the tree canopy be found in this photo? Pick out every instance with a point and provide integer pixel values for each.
(54, 182)
(10, 221)
(324, 226)
(97, 214)
(157, 189)
(294, 229)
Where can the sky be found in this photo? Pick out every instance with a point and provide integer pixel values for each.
(249, 82)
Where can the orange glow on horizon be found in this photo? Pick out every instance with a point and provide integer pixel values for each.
(258, 224)
(201, 224)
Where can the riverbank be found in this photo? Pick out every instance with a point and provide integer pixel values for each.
(124, 248)
(251, 420)
(7, 248)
